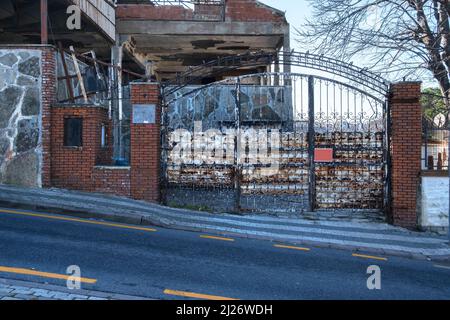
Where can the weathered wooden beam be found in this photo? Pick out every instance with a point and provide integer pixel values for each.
(80, 77)
(66, 72)
(92, 60)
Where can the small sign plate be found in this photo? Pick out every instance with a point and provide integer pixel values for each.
(323, 155)
(144, 113)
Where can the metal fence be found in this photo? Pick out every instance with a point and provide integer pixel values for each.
(275, 142)
(435, 137)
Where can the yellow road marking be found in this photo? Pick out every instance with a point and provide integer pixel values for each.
(442, 267)
(369, 257)
(291, 247)
(108, 224)
(216, 238)
(195, 295)
(42, 274)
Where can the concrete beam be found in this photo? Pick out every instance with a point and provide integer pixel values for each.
(136, 27)
(101, 13)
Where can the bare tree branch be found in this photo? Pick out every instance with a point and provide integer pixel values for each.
(399, 37)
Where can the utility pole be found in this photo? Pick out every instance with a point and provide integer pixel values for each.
(44, 17)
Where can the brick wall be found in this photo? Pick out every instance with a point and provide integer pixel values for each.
(406, 144)
(207, 12)
(151, 12)
(48, 98)
(252, 11)
(145, 146)
(236, 10)
(72, 167)
(112, 180)
(88, 168)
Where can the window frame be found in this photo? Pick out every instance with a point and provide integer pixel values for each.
(68, 141)
(104, 136)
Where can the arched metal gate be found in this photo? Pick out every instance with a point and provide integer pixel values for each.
(276, 142)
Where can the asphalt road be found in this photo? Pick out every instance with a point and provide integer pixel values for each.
(167, 264)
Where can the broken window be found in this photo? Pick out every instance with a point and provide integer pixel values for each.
(73, 132)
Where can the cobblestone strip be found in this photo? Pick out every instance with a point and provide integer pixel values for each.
(21, 290)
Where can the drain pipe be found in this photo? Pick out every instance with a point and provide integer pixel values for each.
(117, 100)
(119, 82)
(120, 97)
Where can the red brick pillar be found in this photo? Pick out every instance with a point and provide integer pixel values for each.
(48, 98)
(145, 142)
(406, 149)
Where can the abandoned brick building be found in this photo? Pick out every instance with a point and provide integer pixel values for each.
(98, 109)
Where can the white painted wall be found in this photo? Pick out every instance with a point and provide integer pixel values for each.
(435, 202)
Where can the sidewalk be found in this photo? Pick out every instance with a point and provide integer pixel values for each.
(24, 290)
(375, 237)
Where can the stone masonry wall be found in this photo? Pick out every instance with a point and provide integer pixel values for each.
(20, 116)
(215, 105)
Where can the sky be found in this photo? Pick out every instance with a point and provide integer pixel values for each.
(296, 10)
(296, 13)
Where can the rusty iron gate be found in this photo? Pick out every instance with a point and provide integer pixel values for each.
(275, 143)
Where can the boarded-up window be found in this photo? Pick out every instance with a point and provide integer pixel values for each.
(73, 132)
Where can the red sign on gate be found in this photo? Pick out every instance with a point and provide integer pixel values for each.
(323, 155)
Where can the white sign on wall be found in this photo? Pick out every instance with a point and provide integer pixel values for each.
(144, 113)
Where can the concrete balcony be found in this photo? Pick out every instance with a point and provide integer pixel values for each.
(20, 23)
(101, 13)
(172, 36)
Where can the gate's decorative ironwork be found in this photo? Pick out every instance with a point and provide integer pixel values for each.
(360, 76)
(255, 143)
